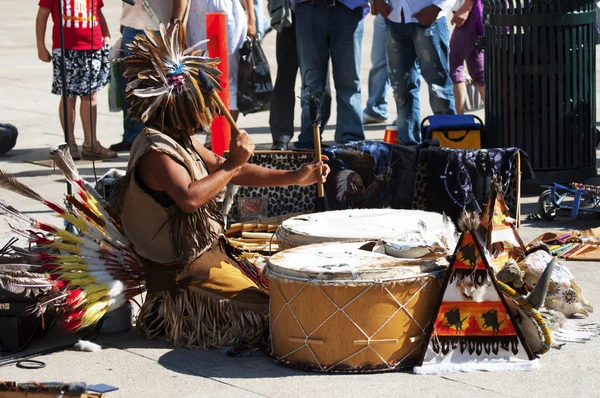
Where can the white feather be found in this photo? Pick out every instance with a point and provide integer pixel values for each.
(88, 346)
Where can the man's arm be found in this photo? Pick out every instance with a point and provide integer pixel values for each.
(251, 16)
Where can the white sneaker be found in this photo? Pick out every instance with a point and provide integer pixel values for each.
(368, 119)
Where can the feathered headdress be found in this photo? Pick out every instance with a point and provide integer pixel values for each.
(166, 81)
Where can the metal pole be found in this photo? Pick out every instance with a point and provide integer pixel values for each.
(63, 75)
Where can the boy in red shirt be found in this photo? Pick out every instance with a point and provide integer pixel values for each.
(87, 41)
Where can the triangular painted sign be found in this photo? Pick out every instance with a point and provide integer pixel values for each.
(496, 229)
(472, 330)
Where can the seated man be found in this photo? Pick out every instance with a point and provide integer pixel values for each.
(200, 293)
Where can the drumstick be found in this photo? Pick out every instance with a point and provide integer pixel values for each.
(315, 117)
(235, 131)
(317, 139)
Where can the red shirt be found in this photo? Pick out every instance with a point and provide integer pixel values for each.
(77, 15)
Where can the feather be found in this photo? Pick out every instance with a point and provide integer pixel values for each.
(10, 183)
(87, 346)
(151, 91)
(468, 221)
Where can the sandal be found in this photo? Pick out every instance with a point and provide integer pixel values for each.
(74, 151)
(99, 152)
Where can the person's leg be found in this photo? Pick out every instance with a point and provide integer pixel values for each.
(131, 128)
(404, 79)
(475, 65)
(283, 100)
(346, 27)
(71, 103)
(313, 54)
(432, 45)
(379, 82)
(327, 100)
(461, 44)
(87, 112)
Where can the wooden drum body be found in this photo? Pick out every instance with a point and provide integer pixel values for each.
(337, 308)
(360, 225)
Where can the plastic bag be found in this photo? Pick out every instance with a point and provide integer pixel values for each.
(473, 100)
(254, 78)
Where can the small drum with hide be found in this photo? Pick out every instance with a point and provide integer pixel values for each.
(341, 307)
(362, 225)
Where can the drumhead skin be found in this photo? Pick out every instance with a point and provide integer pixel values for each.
(346, 261)
(361, 225)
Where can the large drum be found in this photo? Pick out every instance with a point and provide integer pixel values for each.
(361, 225)
(337, 307)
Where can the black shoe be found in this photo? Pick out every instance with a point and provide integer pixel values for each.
(279, 146)
(122, 146)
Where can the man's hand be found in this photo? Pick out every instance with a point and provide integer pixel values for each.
(44, 55)
(240, 149)
(106, 40)
(382, 8)
(427, 15)
(459, 18)
(308, 174)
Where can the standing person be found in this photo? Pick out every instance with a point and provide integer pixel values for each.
(87, 41)
(376, 110)
(283, 99)
(469, 27)
(144, 15)
(331, 29)
(418, 36)
(241, 22)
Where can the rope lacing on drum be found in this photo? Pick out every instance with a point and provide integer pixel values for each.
(401, 307)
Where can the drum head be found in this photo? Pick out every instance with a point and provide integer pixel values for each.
(347, 262)
(363, 224)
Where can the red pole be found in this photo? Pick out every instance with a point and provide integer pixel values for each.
(216, 32)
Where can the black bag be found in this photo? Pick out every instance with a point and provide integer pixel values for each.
(254, 78)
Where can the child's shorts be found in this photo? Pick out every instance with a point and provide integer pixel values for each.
(82, 78)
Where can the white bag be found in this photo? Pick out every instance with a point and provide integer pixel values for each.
(473, 101)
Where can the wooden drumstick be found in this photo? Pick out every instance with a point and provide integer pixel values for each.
(315, 117)
(235, 131)
(317, 140)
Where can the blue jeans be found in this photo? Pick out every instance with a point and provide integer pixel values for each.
(262, 21)
(411, 46)
(323, 32)
(379, 81)
(131, 128)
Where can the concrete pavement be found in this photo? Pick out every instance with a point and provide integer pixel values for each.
(154, 369)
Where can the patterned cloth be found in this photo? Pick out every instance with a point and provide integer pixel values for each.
(81, 80)
(426, 177)
(384, 175)
(454, 180)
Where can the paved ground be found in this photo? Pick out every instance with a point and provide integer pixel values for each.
(147, 368)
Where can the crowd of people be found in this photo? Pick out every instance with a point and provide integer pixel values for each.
(322, 39)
